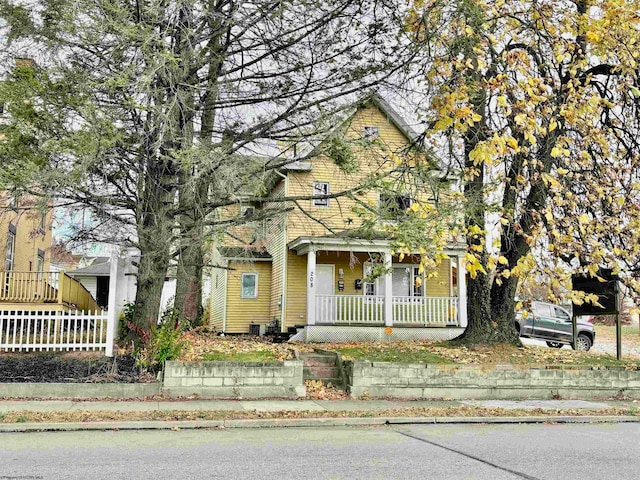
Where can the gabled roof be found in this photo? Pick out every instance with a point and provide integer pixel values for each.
(244, 253)
(394, 117)
(400, 123)
(98, 270)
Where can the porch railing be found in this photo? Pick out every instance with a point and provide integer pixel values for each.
(44, 287)
(363, 309)
(438, 311)
(349, 309)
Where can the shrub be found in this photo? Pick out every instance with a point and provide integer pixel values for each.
(165, 342)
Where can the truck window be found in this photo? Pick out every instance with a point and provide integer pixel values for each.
(541, 310)
(561, 314)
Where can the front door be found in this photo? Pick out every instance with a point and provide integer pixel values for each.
(325, 302)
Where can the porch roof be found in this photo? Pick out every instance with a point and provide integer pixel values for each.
(302, 245)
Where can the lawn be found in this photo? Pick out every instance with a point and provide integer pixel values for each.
(207, 346)
(448, 352)
(201, 345)
(253, 356)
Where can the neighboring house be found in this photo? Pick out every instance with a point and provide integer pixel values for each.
(95, 278)
(308, 270)
(95, 274)
(27, 281)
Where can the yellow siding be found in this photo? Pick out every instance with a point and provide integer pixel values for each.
(352, 266)
(217, 299)
(275, 240)
(440, 286)
(340, 215)
(241, 312)
(296, 294)
(29, 237)
(239, 235)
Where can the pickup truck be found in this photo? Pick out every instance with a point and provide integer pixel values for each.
(552, 323)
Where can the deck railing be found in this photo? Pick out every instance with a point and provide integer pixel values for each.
(363, 309)
(44, 288)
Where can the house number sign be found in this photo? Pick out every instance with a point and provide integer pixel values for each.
(311, 279)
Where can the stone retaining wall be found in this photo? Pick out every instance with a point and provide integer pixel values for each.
(78, 390)
(235, 379)
(381, 379)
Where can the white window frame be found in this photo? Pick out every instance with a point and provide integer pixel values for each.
(10, 252)
(396, 196)
(369, 132)
(321, 202)
(247, 210)
(255, 287)
(380, 280)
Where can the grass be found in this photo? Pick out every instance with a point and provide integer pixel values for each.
(397, 355)
(255, 356)
(452, 352)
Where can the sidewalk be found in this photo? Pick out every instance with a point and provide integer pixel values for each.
(316, 413)
(298, 405)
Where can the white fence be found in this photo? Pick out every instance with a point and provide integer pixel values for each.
(24, 330)
(364, 309)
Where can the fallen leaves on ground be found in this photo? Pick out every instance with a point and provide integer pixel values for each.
(189, 415)
(480, 354)
(317, 390)
(200, 343)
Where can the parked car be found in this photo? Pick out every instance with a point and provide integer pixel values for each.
(552, 323)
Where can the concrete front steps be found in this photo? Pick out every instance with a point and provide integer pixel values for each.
(323, 366)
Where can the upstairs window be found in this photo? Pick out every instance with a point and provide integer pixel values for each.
(42, 226)
(13, 201)
(40, 264)
(392, 205)
(249, 285)
(320, 188)
(11, 248)
(370, 132)
(247, 210)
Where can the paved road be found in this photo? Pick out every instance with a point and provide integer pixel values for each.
(491, 452)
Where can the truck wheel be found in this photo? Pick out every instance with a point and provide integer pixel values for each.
(583, 342)
(554, 345)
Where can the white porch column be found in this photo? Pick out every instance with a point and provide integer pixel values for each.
(388, 291)
(462, 291)
(311, 287)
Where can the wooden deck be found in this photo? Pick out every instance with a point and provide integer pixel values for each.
(52, 291)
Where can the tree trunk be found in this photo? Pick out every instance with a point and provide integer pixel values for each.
(194, 193)
(188, 298)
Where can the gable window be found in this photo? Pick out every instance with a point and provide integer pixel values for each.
(11, 246)
(370, 132)
(394, 205)
(247, 210)
(13, 202)
(40, 264)
(249, 288)
(320, 188)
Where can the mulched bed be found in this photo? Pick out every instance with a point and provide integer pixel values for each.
(57, 368)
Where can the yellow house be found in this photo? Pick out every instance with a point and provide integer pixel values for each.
(309, 267)
(26, 279)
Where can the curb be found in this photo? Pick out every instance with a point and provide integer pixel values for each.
(304, 422)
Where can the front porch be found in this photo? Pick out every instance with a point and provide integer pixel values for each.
(372, 310)
(343, 295)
